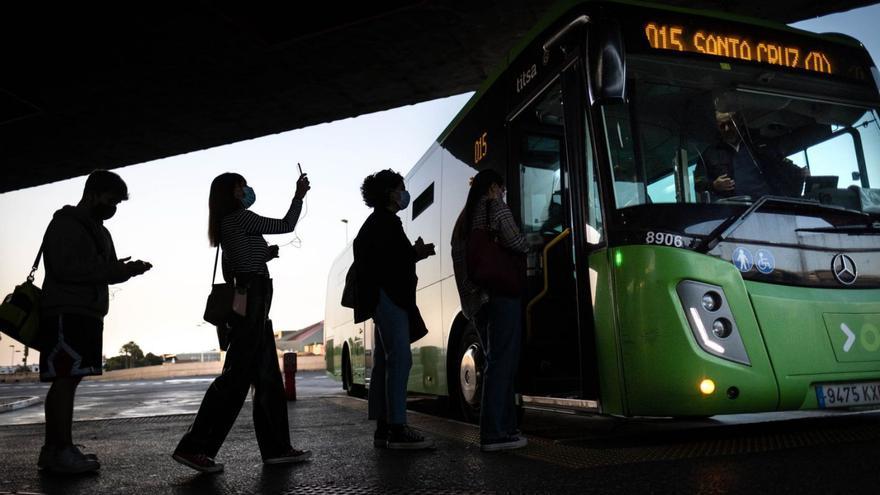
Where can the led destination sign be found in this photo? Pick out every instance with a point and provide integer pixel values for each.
(737, 45)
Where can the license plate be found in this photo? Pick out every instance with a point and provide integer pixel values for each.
(847, 394)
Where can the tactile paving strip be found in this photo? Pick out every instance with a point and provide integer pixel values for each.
(345, 490)
(168, 418)
(731, 442)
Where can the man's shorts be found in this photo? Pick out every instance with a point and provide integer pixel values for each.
(72, 346)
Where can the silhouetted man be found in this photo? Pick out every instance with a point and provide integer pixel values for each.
(80, 262)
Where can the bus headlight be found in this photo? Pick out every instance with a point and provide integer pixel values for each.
(711, 301)
(721, 328)
(711, 321)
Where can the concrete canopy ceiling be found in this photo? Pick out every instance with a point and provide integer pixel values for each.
(90, 85)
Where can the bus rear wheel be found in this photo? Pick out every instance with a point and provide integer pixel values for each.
(469, 362)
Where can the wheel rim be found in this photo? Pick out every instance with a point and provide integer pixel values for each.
(470, 375)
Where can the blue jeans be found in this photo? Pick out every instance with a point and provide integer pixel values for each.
(392, 360)
(500, 324)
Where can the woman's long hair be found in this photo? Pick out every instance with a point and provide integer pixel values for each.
(479, 188)
(222, 202)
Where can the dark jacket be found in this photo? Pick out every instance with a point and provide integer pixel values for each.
(781, 175)
(80, 262)
(385, 259)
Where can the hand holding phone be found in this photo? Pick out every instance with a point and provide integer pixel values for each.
(302, 184)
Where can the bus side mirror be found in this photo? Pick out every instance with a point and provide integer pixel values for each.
(607, 62)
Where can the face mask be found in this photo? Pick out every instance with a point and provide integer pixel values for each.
(403, 200)
(103, 211)
(249, 196)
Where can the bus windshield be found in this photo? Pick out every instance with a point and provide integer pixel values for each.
(709, 132)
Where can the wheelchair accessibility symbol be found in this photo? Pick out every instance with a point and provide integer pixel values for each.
(764, 261)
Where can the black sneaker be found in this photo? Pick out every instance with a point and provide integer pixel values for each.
(380, 437)
(45, 458)
(199, 462)
(405, 438)
(66, 460)
(507, 443)
(292, 456)
(77, 447)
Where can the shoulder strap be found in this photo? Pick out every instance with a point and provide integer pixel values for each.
(216, 258)
(36, 264)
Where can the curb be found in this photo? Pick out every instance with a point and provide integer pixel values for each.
(18, 403)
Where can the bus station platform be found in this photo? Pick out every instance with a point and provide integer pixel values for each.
(567, 453)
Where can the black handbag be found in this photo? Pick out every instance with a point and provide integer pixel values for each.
(218, 308)
(349, 292)
(20, 311)
(492, 267)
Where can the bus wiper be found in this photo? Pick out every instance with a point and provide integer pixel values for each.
(728, 226)
(846, 229)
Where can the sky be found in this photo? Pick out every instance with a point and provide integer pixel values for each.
(165, 219)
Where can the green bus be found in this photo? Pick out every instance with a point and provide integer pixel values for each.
(700, 194)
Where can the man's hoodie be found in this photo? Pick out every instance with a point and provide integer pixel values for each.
(80, 262)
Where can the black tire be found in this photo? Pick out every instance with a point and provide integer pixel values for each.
(351, 388)
(347, 375)
(466, 379)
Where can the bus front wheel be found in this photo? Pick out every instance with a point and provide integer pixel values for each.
(470, 360)
(351, 388)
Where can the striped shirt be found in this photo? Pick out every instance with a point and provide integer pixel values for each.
(241, 237)
(495, 216)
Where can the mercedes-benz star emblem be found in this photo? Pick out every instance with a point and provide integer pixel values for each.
(844, 269)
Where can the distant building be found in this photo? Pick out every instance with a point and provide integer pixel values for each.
(8, 370)
(193, 357)
(308, 340)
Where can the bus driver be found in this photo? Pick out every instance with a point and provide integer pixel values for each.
(735, 167)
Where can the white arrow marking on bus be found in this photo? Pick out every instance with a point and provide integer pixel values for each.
(850, 337)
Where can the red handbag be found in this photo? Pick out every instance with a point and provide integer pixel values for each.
(492, 267)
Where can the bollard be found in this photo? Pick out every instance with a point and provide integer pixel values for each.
(290, 375)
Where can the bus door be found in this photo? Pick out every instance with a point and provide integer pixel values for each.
(542, 137)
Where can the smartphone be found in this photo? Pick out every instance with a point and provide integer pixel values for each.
(300, 168)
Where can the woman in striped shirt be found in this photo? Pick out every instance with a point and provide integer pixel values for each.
(251, 357)
(497, 316)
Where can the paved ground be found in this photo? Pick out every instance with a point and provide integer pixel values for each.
(836, 453)
(107, 400)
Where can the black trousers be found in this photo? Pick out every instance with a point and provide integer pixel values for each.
(250, 360)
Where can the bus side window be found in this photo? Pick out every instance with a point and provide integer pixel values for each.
(629, 190)
(541, 189)
(595, 229)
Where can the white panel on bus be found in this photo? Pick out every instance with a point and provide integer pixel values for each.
(456, 184)
(427, 224)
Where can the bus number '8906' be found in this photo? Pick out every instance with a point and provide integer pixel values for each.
(662, 239)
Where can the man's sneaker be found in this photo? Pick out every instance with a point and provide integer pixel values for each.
(405, 438)
(508, 443)
(290, 457)
(46, 454)
(199, 462)
(66, 460)
(76, 447)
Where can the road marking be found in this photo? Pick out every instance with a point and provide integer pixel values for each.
(850, 337)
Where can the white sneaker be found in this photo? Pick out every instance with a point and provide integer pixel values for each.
(292, 456)
(509, 443)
